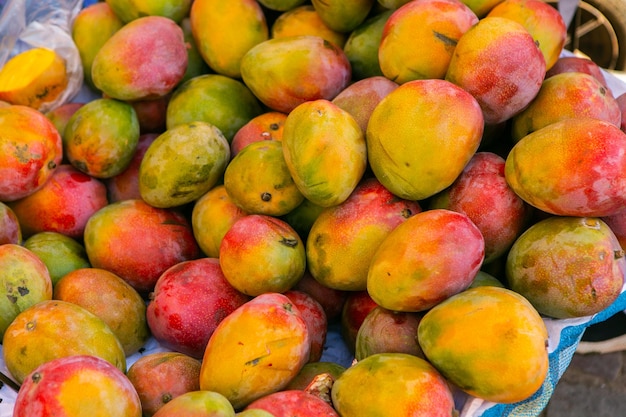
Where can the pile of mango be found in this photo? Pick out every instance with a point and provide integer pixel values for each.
(432, 177)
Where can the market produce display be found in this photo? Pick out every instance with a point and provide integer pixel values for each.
(291, 208)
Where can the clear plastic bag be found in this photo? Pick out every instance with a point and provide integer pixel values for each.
(27, 24)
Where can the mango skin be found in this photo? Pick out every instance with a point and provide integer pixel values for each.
(498, 62)
(540, 168)
(419, 38)
(488, 341)
(567, 267)
(75, 385)
(319, 141)
(31, 149)
(425, 260)
(10, 229)
(286, 72)
(256, 350)
(392, 384)
(225, 30)
(421, 136)
(563, 96)
(304, 20)
(144, 59)
(202, 154)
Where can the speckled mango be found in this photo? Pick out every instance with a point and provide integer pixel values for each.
(182, 164)
(325, 151)
(567, 267)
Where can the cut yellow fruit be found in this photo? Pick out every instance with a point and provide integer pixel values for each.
(33, 77)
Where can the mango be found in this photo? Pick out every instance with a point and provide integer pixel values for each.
(159, 377)
(361, 97)
(92, 27)
(392, 384)
(25, 281)
(617, 223)
(426, 259)
(361, 47)
(61, 253)
(202, 154)
(567, 267)
(144, 59)
(421, 136)
(568, 63)
(112, 242)
(101, 137)
(481, 7)
(52, 329)
(10, 229)
(294, 402)
(211, 217)
(225, 30)
(31, 149)
(573, 167)
(419, 38)
(197, 404)
(261, 253)
(304, 20)
(34, 78)
(566, 95)
(498, 62)
(285, 72)
(196, 65)
(64, 204)
(343, 15)
(343, 238)
(77, 386)
(221, 101)
(134, 9)
(541, 20)
(265, 126)
(315, 318)
(302, 217)
(482, 193)
(386, 331)
(488, 341)
(258, 181)
(60, 116)
(112, 299)
(255, 350)
(188, 302)
(321, 140)
(281, 5)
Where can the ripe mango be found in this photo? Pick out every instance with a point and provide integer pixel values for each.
(421, 136)
(286, 72)
(256, 350)
(573, 167)
(225, 30)
(134, 9)
(325, 151)
(144, 59)
(392, 384)
(361, 47)
(488, 341)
